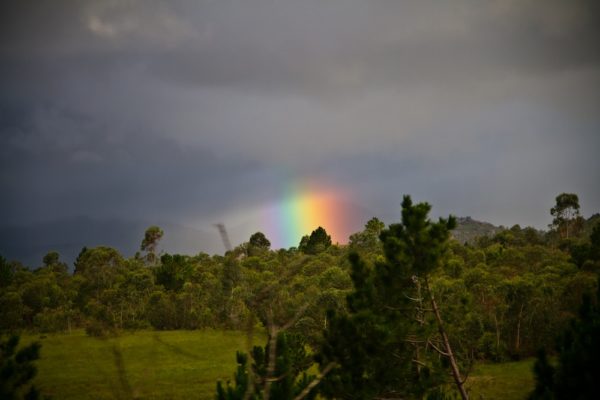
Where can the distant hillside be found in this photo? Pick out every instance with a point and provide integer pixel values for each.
(590, 223)
(468, 229)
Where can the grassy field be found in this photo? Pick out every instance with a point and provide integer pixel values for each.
(187, 365)
(506, 381)
(145, 364)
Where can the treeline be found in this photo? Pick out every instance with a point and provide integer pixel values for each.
(501, 297)
(107, 292)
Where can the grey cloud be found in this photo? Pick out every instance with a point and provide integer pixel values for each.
(191, 110)
(357, 46)
(54, 173)
(314, 46)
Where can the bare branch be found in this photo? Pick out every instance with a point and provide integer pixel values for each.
(419, 362)
(417, 299)
(296, 317)
(438, 349)
(315, 381)
(272, 354)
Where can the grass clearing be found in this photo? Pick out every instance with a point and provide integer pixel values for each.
(144, 364)
(187, 365)
(505, 381)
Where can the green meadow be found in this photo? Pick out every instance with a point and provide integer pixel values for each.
(144, 364)
(504, 381)
(187, 365)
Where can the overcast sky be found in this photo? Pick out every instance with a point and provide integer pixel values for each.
(200, 111)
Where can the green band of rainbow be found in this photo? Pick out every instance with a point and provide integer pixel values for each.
(304, 208)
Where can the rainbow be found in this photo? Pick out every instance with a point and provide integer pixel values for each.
(303, 208)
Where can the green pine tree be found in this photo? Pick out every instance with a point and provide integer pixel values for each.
(289, 376)
(17, 369)
(318, 241)
(371, 344)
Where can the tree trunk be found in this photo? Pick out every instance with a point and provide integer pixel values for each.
(272, 360)
(453, 364)
(421, 320)
(497, 333)
(518, 340)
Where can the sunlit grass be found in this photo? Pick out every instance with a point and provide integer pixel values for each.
(187, 365)
(145, 364)
(505, 381)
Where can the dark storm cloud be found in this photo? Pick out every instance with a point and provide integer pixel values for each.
(132, 175)
(189, 110)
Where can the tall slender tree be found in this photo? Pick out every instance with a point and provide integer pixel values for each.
(151, 238)
(567, 220)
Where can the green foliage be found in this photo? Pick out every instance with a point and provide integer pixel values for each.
(578, 369)
(367, 242)
(6, 273)
(586, 253)
(51, 258)
(369, 343)
(98, 260)
(290, 376)
(416, 243)
(258, 244)
(576, 375)
(544, 373)
(316, 243)
(12, 310)
(151, 238)
(173, 271)
(17, 369)
(567, 221)
(238, 390)
(52, 262)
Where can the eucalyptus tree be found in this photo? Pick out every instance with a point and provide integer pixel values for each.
(150, 242)
(567, 220)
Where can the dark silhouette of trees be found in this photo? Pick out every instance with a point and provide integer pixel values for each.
(578, 371)
(258, 244)
(17, 369)
(150, 242)
(288, 381)
(316, 243)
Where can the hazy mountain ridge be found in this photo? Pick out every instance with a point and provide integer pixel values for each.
(469, 229)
